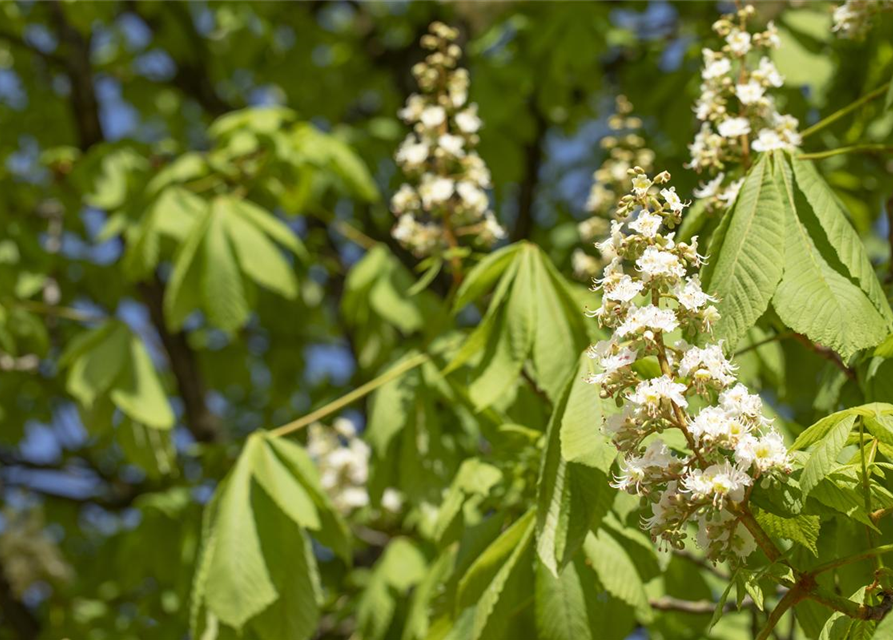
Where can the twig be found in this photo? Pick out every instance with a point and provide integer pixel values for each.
(855, 148)
(669, 603)
(757, 345)
(856, 557)
(391, 374)
(58, 312)
(826, 353)
(837, 115)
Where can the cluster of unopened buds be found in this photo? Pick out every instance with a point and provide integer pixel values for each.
(651, 298)
(737, 112)
(445, 197)
(626, 148)
(343, 462)
(853, 18)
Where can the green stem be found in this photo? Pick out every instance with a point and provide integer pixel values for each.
(862, 555)
(837, 115)
(60, 312)
(856, 148)
(866, 490)
(391, 374)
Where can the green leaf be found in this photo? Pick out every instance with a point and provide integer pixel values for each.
(746, 258)
(835, 494)
(285, 489)
(571, 498)
(560, 333)
(617, 572)
(173, 214)
(801, 529)
(238, 585)
(474, 478)
(521, 314)
(499, 368)
(834, 220)
(333, 531)
(720, 605)
(289, 559)
(824, 457)
(582, 439)
(96, 361)
(561, 611)
(138, 392)
(270, 225)
(183, 291)
(111, 363)
(485, 274)
(485, 568)
(258, 257)
(507, 592)
(817, 296)
(223, 294)
(401, 567)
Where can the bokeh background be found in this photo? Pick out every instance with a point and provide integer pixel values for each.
(96, 541)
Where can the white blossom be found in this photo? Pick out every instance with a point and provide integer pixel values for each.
(650, 318)
(739, 42)
(749, 92)
(650, 394)
(658, 263)
(433, 116)
(718, 483)
(734, 127)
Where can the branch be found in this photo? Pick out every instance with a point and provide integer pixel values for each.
(533, 159)
(827, 354)
(192, 77)
(669, 603)
(18, 41)
(76, 59)
(14, 612)
(203, 424)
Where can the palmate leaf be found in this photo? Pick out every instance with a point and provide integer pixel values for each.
(171, 215)
(571, 497)
(826, 291)
(257, 575)
(746, 252)
(532, 320)
(232, 243)
(111, 364)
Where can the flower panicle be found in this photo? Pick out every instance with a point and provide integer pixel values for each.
(651, 290)
(445, 197)
(737, 109)
(625, 148)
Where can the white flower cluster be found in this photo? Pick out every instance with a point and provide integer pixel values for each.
(446, 195)
(736, 109)
(651, 289)
(343, 462)
(626, 149)
(852, 19)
